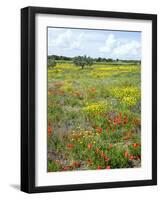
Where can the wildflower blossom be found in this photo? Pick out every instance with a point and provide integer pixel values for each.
(99, 130)
(128, 95)
(106, 158)
(126, 154)
(99, 107)
(89, 146)
(125, 120)
(49, 131)
(102, 154)
(70, 146)
(131, 157)
(109, 147)
(135, 145)
(76, 164)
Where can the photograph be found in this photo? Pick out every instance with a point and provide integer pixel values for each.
(93, 99)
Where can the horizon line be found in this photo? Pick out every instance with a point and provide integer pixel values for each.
(94, 57)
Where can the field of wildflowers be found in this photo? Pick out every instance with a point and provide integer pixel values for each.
(94, 117)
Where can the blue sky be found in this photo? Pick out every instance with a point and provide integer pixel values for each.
(94, 43)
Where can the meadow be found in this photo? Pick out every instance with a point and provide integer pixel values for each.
(94, 116)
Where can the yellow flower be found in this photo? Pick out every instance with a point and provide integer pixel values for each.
(98, 107)
(127, 95)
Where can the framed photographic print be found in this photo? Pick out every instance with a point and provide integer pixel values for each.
(88, 99)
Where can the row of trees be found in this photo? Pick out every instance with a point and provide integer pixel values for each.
(82, 61)
(55, 57)
(78, 61)
(99, 59)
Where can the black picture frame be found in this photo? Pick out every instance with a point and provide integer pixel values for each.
(28, 98)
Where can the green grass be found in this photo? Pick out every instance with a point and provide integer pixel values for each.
(94, 117)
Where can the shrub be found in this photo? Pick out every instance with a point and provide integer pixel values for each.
(51, 63)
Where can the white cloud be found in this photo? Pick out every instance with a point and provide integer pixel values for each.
(63, 39)
(128, 48)
(67, 40)
(121, 47)
(109, 44)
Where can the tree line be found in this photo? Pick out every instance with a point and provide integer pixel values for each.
(83, 61)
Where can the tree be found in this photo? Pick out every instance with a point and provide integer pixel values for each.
(51, 63)
(99, 59)
(109, 60)
(82, 61)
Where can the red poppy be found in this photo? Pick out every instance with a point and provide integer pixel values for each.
(89, 146)
(106, 158)
(99, 130)
(131, 157)
(49, 131)
(117, 120)
(76, 164)
(126, 154)
(108, 167)
(99, 167)
(65, 168)
(125, 120)
(135, 145)
(102, 154)
(110, 146)
(70, 146)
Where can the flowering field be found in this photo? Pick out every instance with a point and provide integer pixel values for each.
(94, 117)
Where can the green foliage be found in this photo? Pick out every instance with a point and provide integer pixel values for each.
(53, 166)
(51, 63)
(99, 60)
(82, 61)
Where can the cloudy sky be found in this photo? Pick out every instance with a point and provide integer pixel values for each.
(94, 43)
